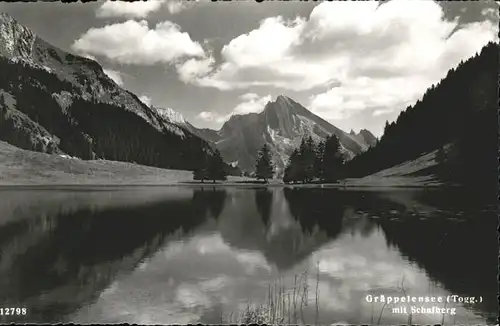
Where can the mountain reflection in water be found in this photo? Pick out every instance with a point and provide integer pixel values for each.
(185, 255)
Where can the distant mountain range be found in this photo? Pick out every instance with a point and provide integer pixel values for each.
(55, 102)
(282, 124)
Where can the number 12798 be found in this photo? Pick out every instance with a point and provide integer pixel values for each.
(13, 311)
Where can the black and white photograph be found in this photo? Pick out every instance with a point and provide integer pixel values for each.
(249, 162)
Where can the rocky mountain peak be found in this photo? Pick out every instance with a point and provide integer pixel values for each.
(284, 102)
(171, 115)
(16, 40)
(282, 99)
(283, 108)
(368, 137)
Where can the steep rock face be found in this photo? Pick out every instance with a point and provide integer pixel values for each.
(368, 137)
(282, 124)
(73, 99)
(364, 136)
(15, 40)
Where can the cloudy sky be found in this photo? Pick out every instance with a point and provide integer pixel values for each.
(356, 64)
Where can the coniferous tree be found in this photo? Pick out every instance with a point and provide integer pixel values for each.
(332, 159)
(216, 167)
(292, 172)
(264, 168)
(306, 159)
(287, 177)
(309, 159)
(386, 128)
(319, 168)
(201, 171)
(301, 161)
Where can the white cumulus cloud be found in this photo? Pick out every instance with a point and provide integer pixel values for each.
(176, 6)
(116, 76)
(133, 42)
(138, 9)
(212, 117)
(192, 69)
(145, 99)
(368, 55)
(250, 103)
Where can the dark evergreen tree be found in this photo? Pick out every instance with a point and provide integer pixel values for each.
(324, 161)
(308, 156)
(216, 167)
(305, 161)
(301, 163)
(292, 173)
(264, 168)
(200, 172)
(319, 168)
(332, 159)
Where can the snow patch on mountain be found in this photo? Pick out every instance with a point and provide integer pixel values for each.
(271, 133)
(307, 127)
(280, 146)
(278, 139)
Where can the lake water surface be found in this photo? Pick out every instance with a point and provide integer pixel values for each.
(186, 255)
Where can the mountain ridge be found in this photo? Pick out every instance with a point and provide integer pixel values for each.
(41, 54)
(78, 105)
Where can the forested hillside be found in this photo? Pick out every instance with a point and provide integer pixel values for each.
(462, 110)
(55, 102)
(85, 128)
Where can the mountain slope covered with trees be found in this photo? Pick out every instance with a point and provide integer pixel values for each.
(460, 110)
(55, 102)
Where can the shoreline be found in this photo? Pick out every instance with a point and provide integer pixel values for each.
(55, 186)
(23, 169)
